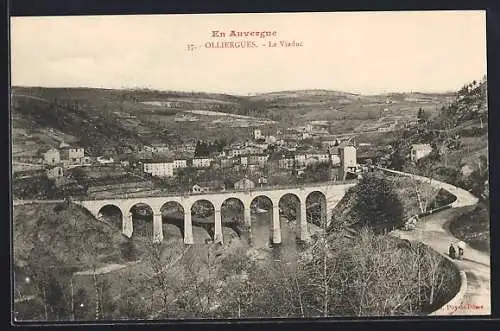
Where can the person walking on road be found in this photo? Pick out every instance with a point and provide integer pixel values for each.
(452, 251)
(461, 247)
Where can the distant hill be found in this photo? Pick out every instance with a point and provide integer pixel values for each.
(302, 94)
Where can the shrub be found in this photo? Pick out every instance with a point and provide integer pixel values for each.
(377, 205)
(443, 198)
(129, 251)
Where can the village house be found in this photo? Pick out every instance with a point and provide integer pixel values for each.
(159, 168)
(271, 140)
(257, 134)
(226, 163)
(254, 169)
(105, 160)
(200, 189)
(54, 172)
(74, 155)
(157, 148)
(209, 186)
(179, 164)
(300, 159)
(223, 153)
(262, 181)
(287, 161)
(258, 159)
(305, 135)
(253, 150)
(316, 159)
(244, 184)
(202, 162)
(335, 159)
(244, 161)
(236, 152)
(410, 123)
(292, 137)
(52, 157)
(419, 151)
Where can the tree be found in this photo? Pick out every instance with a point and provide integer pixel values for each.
(78, 173)
(377, 205)
(80, 305)
(130, 303)
(160, 281)
(317, 172)
(422, 116)
(49, 280)
(397, 161)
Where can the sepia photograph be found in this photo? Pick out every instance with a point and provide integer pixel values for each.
(250, 166)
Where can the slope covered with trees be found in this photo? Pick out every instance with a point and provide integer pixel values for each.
(458, 136)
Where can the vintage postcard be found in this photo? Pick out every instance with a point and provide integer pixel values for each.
(241, 166)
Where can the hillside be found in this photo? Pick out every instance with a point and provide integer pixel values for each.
(473, 227)
(309, 105)
(106, 121)
(109, 121)
(47, 122)
(62, 235)
(458, 135)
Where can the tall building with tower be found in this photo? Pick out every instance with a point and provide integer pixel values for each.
(347, 160)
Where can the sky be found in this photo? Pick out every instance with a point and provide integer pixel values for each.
(364, 52)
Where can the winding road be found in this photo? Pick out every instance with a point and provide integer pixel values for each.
(434, 231)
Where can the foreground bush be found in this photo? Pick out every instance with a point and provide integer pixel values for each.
(376, 204)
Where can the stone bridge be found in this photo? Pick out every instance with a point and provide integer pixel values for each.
(331, 191)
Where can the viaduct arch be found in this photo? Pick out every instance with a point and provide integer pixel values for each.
(332, 193)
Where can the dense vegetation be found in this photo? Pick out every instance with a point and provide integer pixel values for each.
(204, 148)
(473, 227)
(335, 276)
(459, 138)
(53, 241)
(368, 276)
(96, 129)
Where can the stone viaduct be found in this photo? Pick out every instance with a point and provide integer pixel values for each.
(332, 192)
